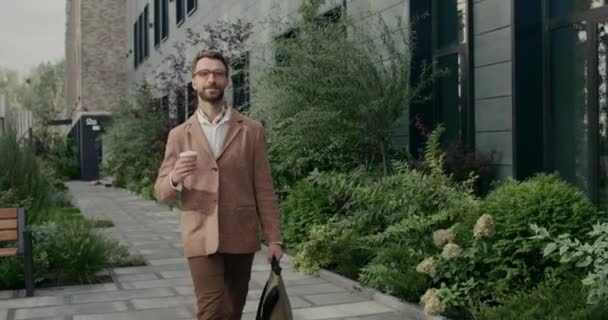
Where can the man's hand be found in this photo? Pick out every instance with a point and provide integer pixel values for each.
(183, 167)
(275, 250)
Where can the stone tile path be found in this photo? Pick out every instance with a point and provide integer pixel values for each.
(162, 289)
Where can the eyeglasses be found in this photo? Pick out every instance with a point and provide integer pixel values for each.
(217, 74)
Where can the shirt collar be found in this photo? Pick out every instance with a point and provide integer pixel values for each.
(223, 117)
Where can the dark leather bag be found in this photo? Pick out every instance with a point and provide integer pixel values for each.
(274, 303)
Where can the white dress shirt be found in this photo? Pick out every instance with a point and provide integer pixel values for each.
(215, 132)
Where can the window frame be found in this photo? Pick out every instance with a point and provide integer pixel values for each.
(146, 31)
(164, 35)
(591, 17)
(466, 72)
(157, 23)
(136, 44)
(193, 9)
(178, 21)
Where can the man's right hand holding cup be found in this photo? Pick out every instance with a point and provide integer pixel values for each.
(184, 166)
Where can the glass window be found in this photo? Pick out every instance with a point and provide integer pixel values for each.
(569, 99)
(142, 50)
(560, 8)
(136, 44)
(192, 4)
(157, 22)
(180, 12)
(165, 19)
(451, 22)
(449, 96)
(146, 33)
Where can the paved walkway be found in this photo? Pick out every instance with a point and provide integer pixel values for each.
(162, 289)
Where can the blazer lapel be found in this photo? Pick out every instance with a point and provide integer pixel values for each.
(195, 133)
(236, 121)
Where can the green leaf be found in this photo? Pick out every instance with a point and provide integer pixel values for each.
(550, 248)
(584, 263)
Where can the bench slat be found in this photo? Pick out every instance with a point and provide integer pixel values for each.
(8, 224)
(8, 213)
(8, 252)
(8, 235)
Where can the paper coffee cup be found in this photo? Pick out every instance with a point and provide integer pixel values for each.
(188, 154)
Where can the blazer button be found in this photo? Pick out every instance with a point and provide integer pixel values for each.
(214, 169)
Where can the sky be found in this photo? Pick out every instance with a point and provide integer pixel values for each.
(31, 32)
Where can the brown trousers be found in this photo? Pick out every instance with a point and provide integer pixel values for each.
(221, 283)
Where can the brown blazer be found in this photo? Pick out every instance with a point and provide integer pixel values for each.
(223, 201)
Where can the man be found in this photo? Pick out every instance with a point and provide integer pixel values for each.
(226, 192)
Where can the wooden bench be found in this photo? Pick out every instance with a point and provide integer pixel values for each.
(13, 229)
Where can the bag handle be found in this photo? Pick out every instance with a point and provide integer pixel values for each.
(276, 268)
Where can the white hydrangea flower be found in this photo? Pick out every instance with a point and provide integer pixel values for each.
(443, 236)
(451, 251)
(427, 266)
(484, 227)
(432, 303)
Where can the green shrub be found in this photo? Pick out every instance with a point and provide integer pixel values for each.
(334, 246)
(494, 255)
(555, 300)
(313, 201)
(385, 223)
(516, 260)
(75, 252)
(63, 158)
(334, 103)
(135, 141)
(393, 271)
(12, 272)
(590, 254)
(22, 175)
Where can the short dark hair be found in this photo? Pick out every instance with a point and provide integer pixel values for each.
(210, 54)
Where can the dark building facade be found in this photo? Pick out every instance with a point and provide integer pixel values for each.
(526, 78)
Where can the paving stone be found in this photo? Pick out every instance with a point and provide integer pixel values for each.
(171, 267)
(314, 289)
(297, 302)
(137, 277)
(70, 290)
(304, 281)
(4, 314)
(172, 253)
(30, 302)
(184, 290)
(161, 262)
(341, 310)
(176, 274)
(381, 316)
(159, 314)
(7, 294)
(170, 302)
(64, 310)
(334, 298)
(131, 270)
(156, 283)
(122, 295)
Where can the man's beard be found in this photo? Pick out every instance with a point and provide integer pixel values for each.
(213, 99)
